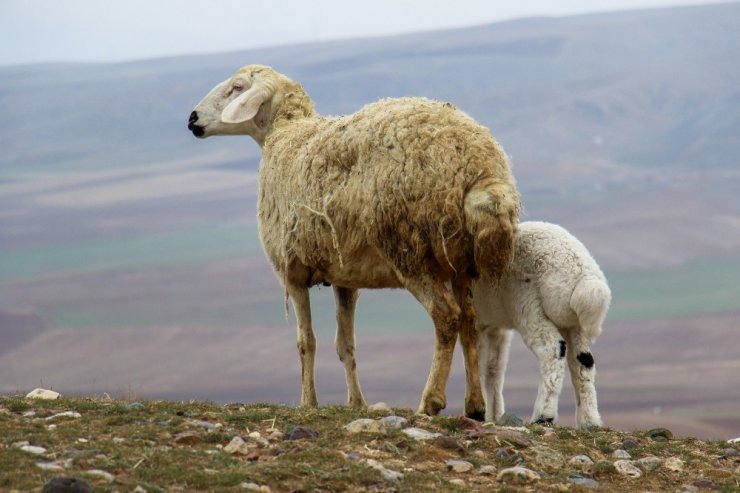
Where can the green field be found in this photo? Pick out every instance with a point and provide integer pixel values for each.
(183, 286)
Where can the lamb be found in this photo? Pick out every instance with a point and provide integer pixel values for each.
(405, 193)
(556, 296)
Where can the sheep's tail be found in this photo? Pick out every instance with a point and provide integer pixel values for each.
(590, 300)
(491, 217)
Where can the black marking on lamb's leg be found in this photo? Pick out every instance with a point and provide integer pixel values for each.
(562, 349)
(586, 359)
(545, 421)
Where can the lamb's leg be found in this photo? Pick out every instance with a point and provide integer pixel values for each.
(542, 337)
(346, 299)
(494, 344)
(583, 376)
(441, 306)
(475, 406)
(306, 343)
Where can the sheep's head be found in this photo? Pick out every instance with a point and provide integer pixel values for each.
(246, 104)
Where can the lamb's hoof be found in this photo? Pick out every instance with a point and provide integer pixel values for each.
(476, 414)
(542, 420)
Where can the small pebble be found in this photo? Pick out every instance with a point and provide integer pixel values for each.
(630, 443)
(379, 407)
(581, 461)
(301, 433)
(43, 394)
(49, 466)
(517, 475)
(705, 484)
(459, 466)
(365, 425)
(388, 474)
(621, 454)
(659, 434)
(187, 438)
(449, 443)
(66, 485)
(458, 482)
(509, 419)
(394, 422)
(650, 463)
(99, 473)
(627, 468)
(585, 482)
(66, 414)
(420, 434)
(730, 452)
(487, 470)
(237, 445)
(33, 449)
(673, 464)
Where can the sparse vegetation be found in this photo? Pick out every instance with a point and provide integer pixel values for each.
(182, 446)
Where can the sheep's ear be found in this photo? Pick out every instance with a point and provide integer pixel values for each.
(247, 105)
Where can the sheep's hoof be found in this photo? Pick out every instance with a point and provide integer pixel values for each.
(542, 420)
(477, 414)
(431, 406)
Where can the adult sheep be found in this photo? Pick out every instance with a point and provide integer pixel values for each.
(406, 193)
(556, 296)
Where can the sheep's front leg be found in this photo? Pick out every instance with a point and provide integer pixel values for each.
(583, 376)
(543, 339)
(445, 313)
(306, 343)
(494, 344)
(346, 299)
(475, 406)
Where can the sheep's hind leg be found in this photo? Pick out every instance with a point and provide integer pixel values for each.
(542, 337)
(475, 406)
(441, 306)
(346, 300)
(583, 376)
(494, 343)
(306, 343)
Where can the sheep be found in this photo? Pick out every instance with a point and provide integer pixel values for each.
(405, 193)
(556, 296)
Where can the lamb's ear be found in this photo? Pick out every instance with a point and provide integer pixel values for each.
(247, 105)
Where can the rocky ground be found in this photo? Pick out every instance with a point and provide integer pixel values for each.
(99, 444)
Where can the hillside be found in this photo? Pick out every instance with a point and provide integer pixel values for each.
(129, 256)
(151, 446)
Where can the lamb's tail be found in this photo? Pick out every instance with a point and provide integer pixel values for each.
(590, 300)
(491, 217)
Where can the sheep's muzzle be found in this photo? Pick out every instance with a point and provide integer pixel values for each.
(196, 129)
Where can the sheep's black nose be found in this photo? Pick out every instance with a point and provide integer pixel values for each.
(193, 117)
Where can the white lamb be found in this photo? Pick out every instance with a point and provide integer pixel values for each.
(556, 296)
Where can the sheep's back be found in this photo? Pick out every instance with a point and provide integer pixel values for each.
(392, 176)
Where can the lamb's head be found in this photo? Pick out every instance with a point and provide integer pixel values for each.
(249, 103)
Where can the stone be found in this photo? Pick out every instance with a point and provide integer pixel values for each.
(379, 407)
(705, 484)
(459, 466)
(730, 452)
(650, 463)
(301, 433)
(581, 461)
(420, 434)
(50, 466)
(394, 422)
(517, 475)
(99, 473)
(254, 487)
(673, 464)
(487, 470)
(509, 419)
(458, 482)
(548, 458)
(630, 443)
(585, 482)
(66, 485)
(207, 425)
(43, 394)
(388, 474)
(65, 414)
(511, 435)
(365, 425)
(627, 468)
(505, 456)
(237, 445)
(621, 454)
(187, 438)
(659, 434)
(33, 449)
(449, 443)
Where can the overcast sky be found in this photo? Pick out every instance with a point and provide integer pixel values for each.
(113, 30)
